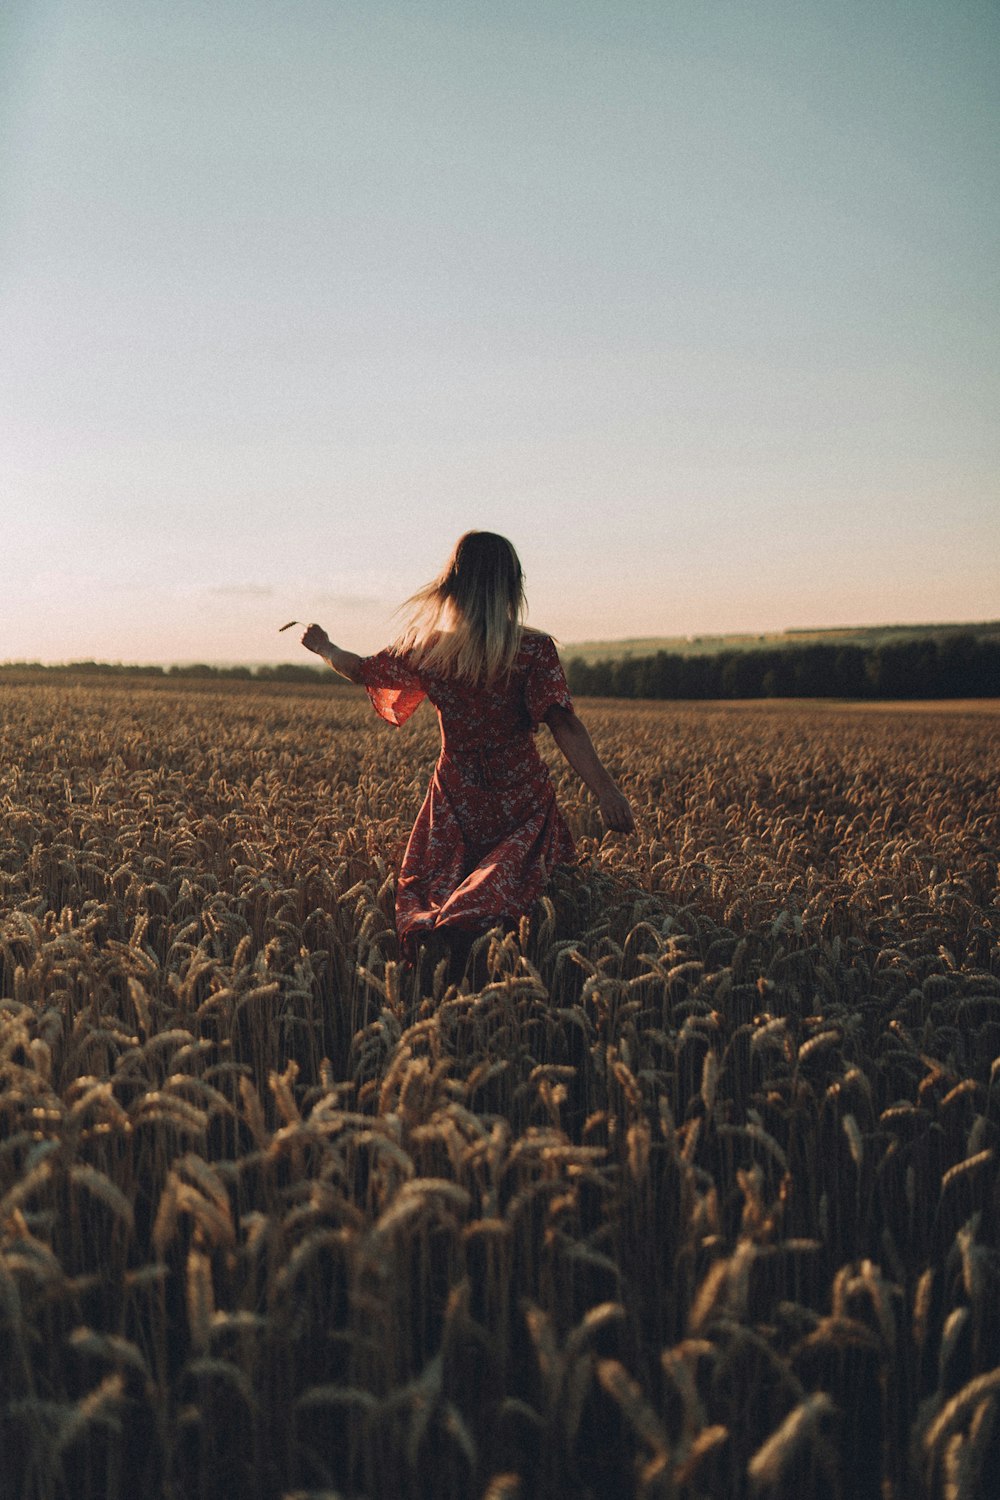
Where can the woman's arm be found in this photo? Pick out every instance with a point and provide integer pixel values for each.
(577, 746)
(346, 663)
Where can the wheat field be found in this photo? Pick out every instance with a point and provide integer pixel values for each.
(688, 1189)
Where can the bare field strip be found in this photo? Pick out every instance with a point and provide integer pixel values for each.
(692, 1193)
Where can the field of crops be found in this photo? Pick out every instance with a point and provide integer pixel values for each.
(690, 1192)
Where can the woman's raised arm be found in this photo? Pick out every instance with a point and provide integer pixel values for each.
(575, 743)
(346, 663)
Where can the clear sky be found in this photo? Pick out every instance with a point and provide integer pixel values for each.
(697, 301)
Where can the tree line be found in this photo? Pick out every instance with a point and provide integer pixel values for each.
(284, 672)
(955, 666)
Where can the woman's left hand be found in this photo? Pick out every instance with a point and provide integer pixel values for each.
(616, 811)
(316, 639)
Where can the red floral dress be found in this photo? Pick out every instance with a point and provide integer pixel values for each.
(489, 830)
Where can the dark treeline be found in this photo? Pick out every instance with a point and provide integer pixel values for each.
(954, 666)
(286, 672)
(957, 666)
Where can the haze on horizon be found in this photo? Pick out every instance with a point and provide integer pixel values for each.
(697, 303)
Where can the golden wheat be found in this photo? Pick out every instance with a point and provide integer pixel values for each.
(690, 1191)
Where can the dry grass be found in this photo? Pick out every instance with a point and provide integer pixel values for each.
(693, 1192)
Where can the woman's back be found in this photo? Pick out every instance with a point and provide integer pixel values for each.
(473, 715)
(489, 830)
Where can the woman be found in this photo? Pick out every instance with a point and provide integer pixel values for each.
(489, 830)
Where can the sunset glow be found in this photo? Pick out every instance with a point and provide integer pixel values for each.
(696, 303)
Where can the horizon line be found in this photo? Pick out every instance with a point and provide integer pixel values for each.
(631, 640)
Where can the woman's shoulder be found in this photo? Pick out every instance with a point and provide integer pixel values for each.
(538, 651)
(394, 653)
(536, 642)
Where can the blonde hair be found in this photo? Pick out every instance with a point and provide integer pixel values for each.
(467, 621)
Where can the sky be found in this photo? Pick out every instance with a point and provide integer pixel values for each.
(696, 301)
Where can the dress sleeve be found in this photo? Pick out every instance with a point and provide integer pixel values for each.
(393, 687)
(546, 685)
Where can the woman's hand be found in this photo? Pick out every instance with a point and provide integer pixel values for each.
(577, 746)
(316, 639)
(616, 810)
(345, 663)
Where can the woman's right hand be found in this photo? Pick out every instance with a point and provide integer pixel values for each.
(316, 639)
(616, 811)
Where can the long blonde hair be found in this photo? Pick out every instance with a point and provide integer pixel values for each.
(467, 621)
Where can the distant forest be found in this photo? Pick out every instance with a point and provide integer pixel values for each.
(952, 666)
(286, 672)
(957, 666)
